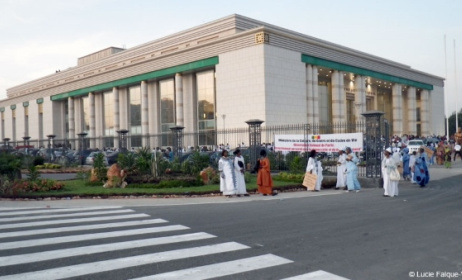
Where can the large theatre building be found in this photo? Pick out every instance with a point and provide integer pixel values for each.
(229, 70)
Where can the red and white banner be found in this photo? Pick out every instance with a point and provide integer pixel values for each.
(320, 143)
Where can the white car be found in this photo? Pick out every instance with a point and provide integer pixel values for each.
(415, 145)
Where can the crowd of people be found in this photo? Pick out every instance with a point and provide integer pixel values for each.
(398, 163)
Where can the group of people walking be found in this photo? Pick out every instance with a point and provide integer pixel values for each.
(414, 169)
(232, 174)
(232, 171)
(347, 171)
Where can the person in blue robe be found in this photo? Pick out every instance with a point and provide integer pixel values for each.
(421, 175)
(406, 168)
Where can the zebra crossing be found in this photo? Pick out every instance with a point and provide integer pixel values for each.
(56, 243)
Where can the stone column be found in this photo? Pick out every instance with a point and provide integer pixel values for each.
(91, 99)
(411, 111)
(360, 97)
(115, 94)
(425, 112)
(341, 97)
(309, 94)
(153, 114)
(315, 95)
(179, 99)
(144, 114)
(336, 111)
(71, 112)
(397, 109)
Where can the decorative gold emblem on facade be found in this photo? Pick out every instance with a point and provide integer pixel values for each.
(262, 38)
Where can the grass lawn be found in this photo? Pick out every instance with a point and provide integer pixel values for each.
(79, 188)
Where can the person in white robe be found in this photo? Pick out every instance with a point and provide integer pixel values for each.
(320, 177)
(227, 179)
(312, 166)
(341, 165)
(239, 173)
(388, 164)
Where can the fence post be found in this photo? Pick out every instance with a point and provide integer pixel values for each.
(254, 140)
(177, 140)
(373, 144)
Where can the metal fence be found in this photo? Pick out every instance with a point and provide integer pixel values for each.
(214, 140)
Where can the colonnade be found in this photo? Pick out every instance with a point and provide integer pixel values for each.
(400, 110)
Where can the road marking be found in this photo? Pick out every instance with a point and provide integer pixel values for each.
(78, 228)
(79, 251)
(114, 264)
(221, 269)
(317, 275)
(70, 221)
(12, 213)
(14, 219)
(82, 237)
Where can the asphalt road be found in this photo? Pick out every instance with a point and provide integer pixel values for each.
(350, 235)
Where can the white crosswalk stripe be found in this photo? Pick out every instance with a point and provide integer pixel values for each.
(15, 213)
(65, 215)
(78, 251)
(82, 237)
(108, 265)
(137, 229)
(80, 228)
(71, 221)
(317, 275)
(221, 269)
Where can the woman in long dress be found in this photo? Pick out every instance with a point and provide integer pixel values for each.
(421, 175)
(341, 165)
(226, 168)
(352, 175)
(239, 173)
(406, 168)
(388, 164)
(264, 180)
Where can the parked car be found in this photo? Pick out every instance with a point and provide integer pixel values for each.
(415, 145)
(90, 159)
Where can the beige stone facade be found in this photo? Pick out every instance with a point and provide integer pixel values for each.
(241, 68)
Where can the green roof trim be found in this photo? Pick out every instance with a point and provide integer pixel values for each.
(40, 101)
(25, 104)
(13, 107)
(2, 109)
(364, 72)
(136, 79)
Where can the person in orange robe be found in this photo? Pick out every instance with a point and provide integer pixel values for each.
(264, 180)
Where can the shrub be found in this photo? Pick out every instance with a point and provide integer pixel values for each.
(298, 164)
(170, 184)
(195, 163)
(10, 166)
(289, 177)
(44, 185)
(38, 160)
(100, 167)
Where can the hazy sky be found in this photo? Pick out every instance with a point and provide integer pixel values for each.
(39, 37)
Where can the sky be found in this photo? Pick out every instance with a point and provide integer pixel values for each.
(38, 37)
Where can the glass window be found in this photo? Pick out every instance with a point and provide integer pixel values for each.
(108, 114)
(135, 110)
(206, 106)
(167, 110)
